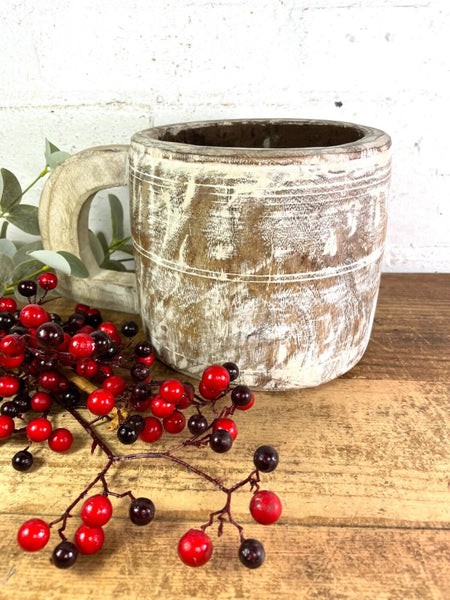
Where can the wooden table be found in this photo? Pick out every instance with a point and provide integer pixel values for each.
(363, 476)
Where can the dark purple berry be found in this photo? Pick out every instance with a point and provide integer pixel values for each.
(111, 352)
(232, 369)
(7, 320)
(10, 409)
(251, 553)
(70, 397)
(266, 459)
(220, 441)
(143, 349)
(22, 460)
(126, 434)
(102, 342)
(64, 555)
(197, 424)
(140, 372)
(137, 422)
(241, 395)
(46, 363)
(23, 402)
(56, 318)
(50, 335)
(140, 391)
(27, 288)
(94, 319)
(130, 329)
(142, 511)
(77, 320)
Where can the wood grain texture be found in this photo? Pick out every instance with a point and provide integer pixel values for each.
(363, 476)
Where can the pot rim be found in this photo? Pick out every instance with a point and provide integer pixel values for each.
(371, 140)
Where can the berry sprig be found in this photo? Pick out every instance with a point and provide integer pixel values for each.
(99, 373)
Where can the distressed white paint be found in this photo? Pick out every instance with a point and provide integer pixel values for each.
(87, 73)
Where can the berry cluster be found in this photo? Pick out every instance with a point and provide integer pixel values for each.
(97, 373)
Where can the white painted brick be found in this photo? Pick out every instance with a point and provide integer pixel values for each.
(90, 73)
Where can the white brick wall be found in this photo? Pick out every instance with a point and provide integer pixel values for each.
(94, 71)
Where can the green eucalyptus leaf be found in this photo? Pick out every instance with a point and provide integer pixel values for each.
(4, 229)
(56, 158)
(49, 149)
(116, 217)
(25, 217)
(25, 269)
(2, 288)
(113, 265)
(22, 254)
(63, 261)
(52, 259)
(6, 268)
(127, 248)
(103, 241)
(77, 268)
(8, 248)
(96, 247)
(11, 189)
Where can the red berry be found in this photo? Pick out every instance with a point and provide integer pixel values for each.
(100, 402)
(60, 440)
(41, 401)
(160, 408)
(265, 507)
(8, 305)
(96, 511)
(152, 431)
(82, 345)
(111, 330)
(49, 380)
(87, 367)
(175, 422)
(216, 378)
(195, 548)
(89, 540)
(9, 386)
(48, 281)
(6, 426)
(171, 390)
(63, 384)
(141, 405)
(86, 329)
(33, 315)
(39, 430)
(11, 362)
(227, 424)
(114, 384)
(33, 535)
(146, 360)
(105, 371)
(207, 393)
(64, 346)
(12, 344)
(188, 396)
(84, 308)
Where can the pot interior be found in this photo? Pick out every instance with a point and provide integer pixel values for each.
(262, 134)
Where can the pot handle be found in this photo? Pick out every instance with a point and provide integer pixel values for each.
(63, 219)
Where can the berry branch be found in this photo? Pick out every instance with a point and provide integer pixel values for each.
(97, 374)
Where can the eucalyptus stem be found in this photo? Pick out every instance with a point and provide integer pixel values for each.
(115, 246)
(40, 176)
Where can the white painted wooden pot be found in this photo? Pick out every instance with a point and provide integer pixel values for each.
(258, 242)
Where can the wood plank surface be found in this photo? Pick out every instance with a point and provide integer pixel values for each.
(363, 477)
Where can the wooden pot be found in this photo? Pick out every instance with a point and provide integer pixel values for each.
(258, 242)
